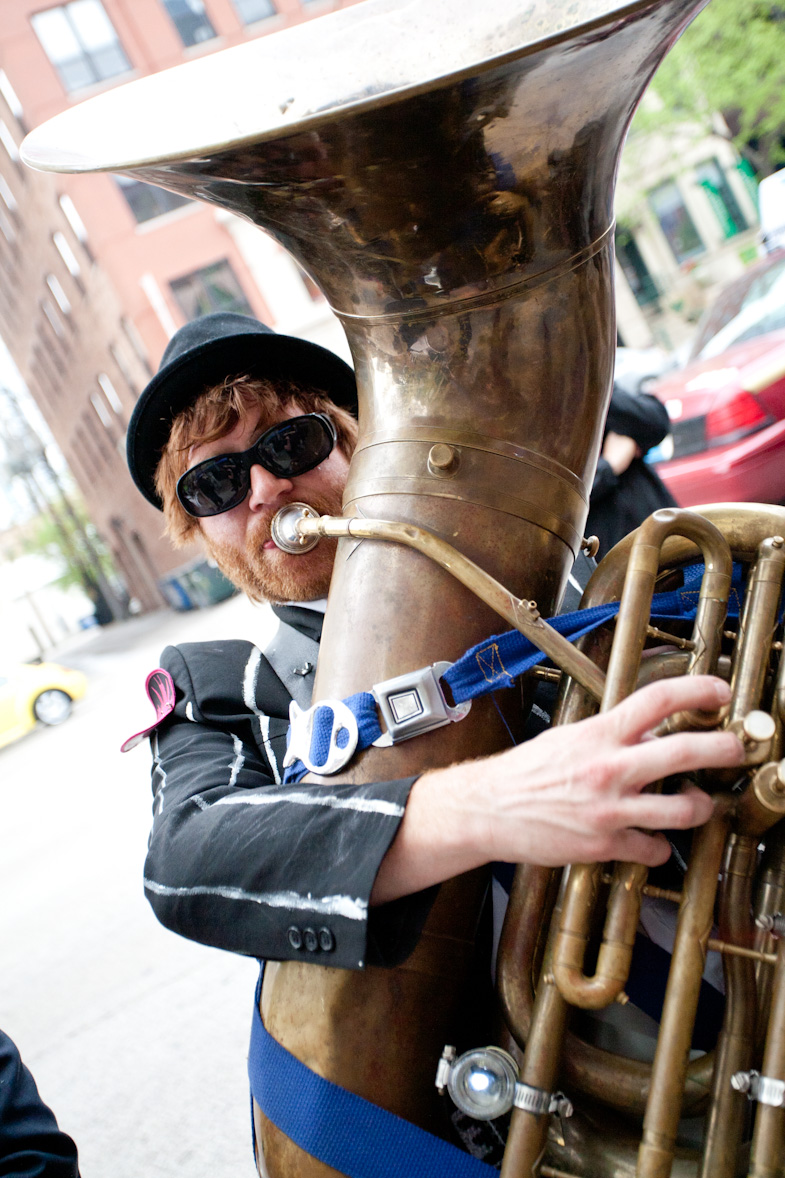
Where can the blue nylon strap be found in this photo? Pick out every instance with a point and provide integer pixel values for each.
(336, 1127)
(499, 660)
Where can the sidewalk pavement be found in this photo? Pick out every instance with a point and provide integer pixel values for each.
(237, 617)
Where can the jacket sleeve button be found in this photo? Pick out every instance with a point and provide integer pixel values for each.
(295, 937)
(310, 940)
(326, 940)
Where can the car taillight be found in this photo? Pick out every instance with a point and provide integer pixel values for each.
(736, 414)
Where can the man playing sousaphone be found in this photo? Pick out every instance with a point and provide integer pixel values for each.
(237, 423)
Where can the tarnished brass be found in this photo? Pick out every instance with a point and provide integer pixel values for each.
(444, 171)
(669, 1068)
(613, 963)
(667, 1087)
(522, 615)
(768, 1142)
(736, 1045)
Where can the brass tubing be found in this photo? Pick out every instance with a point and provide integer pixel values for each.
(669, 1068)
(769, 899)
(736, 1043)
(756, 631)
(519, 613)
(639, 588)
(624, 903)
(541, 1062)
(613, 962)
(620, 1082)
(768, 1140)
(717, 946)
(516, 960)
(762, 805)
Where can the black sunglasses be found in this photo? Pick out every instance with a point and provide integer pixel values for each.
(288, 449)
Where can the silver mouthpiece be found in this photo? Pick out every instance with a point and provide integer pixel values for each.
(283, 529)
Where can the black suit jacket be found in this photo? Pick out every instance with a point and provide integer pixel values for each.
(620, 503)
(31, 1145)
(239, 861)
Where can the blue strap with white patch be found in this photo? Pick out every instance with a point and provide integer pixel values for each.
(495, 663)
(341, 1129)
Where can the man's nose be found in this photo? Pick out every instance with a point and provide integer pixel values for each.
(266, 488)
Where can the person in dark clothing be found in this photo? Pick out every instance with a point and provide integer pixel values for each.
(626, 488)
(31, 1144)
(198, 434)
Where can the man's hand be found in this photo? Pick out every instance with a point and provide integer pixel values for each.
(572, 795)
(619, 451)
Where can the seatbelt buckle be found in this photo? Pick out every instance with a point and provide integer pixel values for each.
(324, 737)
(414, 703)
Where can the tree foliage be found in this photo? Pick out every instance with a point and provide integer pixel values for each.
(72, 546)
(731, 59)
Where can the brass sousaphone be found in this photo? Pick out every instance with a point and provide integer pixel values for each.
(445, 171)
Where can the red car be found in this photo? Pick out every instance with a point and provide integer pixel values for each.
(727, 406)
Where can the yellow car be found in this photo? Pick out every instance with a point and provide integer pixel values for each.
(31, 692)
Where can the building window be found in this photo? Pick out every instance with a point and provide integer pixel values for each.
(101, 410)
(635, 269)
(251, 10)
(676, 223)
(714, 183)
(61, 298)
(213, 289)
(67, 254)
(147, 201)
(135, 341)
(7, 196)
(190, 20)
(54, 322)
(81, 43)
(110, 392)
(7, 228)
(122, 363)
(8, 142)
(9, 94)
(73, 219)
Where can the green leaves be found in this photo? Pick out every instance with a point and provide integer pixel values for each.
(731, 59)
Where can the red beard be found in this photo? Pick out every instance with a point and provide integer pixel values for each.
(268, 574)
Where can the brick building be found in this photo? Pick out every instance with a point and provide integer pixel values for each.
(97, 272)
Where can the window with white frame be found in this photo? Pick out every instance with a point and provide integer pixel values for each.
(8, 142)
(7, 196)
(67, 254)
(147, 201)
(110, 392)
(252, 10)
(101, 410)
(47, 306)
(9, 94)
(73, 218)
(190, 20)
(121, 360)
(7, 227)
(214, 288)
(712, 179)
(60, 297)
(80, 41)
(668, 206)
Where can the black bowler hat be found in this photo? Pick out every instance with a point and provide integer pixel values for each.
(204, 353)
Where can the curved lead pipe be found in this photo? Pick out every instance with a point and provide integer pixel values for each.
(521, 614)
